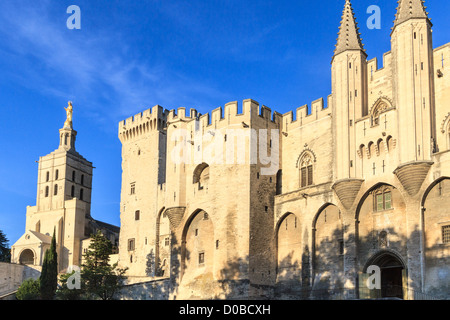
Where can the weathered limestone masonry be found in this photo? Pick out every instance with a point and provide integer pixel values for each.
(358, 181)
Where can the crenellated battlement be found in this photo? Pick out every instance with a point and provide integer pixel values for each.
(305, 115)
(151, 119)
(229, 114)
(372, 65)
(252, 114)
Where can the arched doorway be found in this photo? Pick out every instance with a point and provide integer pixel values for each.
(26, 257)
(392, 274)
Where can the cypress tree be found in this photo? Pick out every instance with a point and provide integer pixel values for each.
(49, 276)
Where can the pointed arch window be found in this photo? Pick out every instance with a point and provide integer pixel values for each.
(382, 105)
(306, 170)
(55, 190)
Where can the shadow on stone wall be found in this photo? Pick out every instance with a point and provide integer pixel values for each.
(324, 272)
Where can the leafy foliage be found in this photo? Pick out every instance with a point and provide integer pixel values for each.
(100, 279)
(29, 290)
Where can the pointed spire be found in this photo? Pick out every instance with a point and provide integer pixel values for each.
(408, 9)
(349, 36)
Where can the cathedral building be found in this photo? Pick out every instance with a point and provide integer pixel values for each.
(63, 207)
(346, 198)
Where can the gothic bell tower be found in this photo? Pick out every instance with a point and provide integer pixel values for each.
(63, 204)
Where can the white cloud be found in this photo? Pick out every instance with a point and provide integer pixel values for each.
(88, 67)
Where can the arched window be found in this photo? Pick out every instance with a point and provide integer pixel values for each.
(55, 190)
(73, 175)
(201, 175)
(47, 176)
(82, 179)
(72, 191)
(81, 194)
(379, 107)
(56, 174)
(371, 149)
(47, 191)
(306, 170)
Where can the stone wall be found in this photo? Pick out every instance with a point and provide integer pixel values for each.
(12, 275)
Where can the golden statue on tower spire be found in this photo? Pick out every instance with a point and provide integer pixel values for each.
(69, 112)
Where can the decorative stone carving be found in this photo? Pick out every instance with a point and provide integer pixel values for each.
(411, 175)
(346, 190)
(175, 216)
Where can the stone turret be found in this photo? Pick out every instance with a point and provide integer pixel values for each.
(349, 37)
(410, 9)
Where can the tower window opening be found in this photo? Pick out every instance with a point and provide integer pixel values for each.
(201, 258)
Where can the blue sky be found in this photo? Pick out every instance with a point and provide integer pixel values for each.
(132, 55)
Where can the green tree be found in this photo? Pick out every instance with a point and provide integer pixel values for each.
(28, 290)
(5, 251)
(48, 280)
(99, 278)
